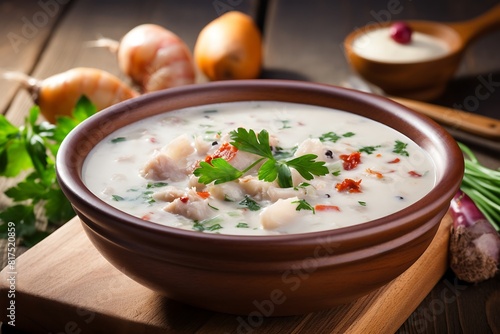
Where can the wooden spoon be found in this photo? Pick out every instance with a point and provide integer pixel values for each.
(424, 80)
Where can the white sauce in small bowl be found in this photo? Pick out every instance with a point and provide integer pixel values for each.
(145, 169)
(378, 45)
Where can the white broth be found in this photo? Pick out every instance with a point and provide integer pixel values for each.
(146, 169)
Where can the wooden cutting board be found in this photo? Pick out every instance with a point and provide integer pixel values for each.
(63, 285)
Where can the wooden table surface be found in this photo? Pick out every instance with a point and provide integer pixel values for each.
(302, 41)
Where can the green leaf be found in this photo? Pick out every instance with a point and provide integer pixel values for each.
(284, 176)
(83, 109)
(7, 129)
(307, 166)
(219, 171)
(35, 147)
(14, 159)
(23, 216)
(26, 190)
(58, 208)
(248, 141)
(268, 171)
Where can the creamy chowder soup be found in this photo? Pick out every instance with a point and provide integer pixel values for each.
(211, 169)
(379, 46)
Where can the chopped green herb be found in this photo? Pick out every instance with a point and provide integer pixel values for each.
(250, 204)
(400, 148)
(213, 207)
(303, 205)
(211, 224)
(348, 134)
(117, 198)
(242, 225)
(210, 111)
(285, 124)
(369, 149)
(156, 185)
(329, 136)
(362, 203)
(118, 140)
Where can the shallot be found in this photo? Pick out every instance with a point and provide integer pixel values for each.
(153, 57)
(57, 95)
(474, 243)
(475, 209)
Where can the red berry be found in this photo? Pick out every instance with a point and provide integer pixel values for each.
(400, 32)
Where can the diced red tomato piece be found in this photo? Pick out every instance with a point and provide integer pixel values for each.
(324, 207)
(414, 174)
(349, 185)
(226, 151)
(184, 199)
(203, 194)
(350, 161)
(395, 161)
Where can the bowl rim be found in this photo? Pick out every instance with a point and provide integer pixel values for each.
(70, 177)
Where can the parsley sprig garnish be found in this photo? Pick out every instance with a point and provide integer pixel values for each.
(220, 171)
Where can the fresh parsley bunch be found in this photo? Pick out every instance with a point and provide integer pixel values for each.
(31, 149)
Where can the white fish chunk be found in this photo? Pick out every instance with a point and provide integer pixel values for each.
(168, 194)
(254, 187)
(226, 191)
(315, 146)
(191, 206)
(170, 163)
(281, 213)
(163, 167)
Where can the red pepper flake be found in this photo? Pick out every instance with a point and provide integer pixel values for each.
(152, 140)
(184, 199)
(373, 172)
(324, 207)
(226, 151)
(203, 194)
(378, 155)
(350, 161)
(414, 174)
(395, 161)
(147, 216)
(349, 185)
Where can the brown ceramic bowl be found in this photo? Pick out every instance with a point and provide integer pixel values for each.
(270, 275)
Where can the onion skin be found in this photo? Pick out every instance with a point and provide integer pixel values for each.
(155, 58)
(474, 242)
